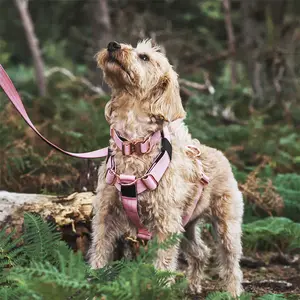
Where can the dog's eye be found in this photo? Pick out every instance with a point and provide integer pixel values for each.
(144, 57)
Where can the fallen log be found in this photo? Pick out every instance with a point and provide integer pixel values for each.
(71, 213)
(64, 210)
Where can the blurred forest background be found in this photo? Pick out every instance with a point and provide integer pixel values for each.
(239, 68)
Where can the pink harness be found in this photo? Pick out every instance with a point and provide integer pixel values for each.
(128, 185)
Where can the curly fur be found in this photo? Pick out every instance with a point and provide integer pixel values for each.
(145, 97)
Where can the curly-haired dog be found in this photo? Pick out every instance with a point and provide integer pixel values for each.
(145, 99)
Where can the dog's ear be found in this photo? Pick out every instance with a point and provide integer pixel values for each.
(167, 103)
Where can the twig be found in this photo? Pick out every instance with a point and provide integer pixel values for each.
(207, 86)
(72, 77)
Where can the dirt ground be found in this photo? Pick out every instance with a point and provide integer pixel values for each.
(267, 273)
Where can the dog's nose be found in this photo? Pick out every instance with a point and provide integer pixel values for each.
(113, 46)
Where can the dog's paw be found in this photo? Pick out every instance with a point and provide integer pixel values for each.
(235, 290)
(96, 264)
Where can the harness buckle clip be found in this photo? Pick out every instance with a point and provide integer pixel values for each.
(139, 147)
(127, 148)
(111, 176)
(204, 179)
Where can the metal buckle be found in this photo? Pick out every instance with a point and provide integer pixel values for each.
(193, 151)
(135, 146)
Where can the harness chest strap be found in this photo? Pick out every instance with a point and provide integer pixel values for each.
(130, 186)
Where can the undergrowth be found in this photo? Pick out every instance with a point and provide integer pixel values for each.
(39, 265)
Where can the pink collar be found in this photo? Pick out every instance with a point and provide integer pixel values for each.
(139, 147)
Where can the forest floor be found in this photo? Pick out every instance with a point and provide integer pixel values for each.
(268, 273)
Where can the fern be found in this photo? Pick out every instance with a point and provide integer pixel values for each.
(52, 271)
(227, 296)
(10, 254)
(244, 296)
(271, 233)
(16, 293)
(40, 239)
(51, 282)
(272, 297)
(288, 186)
(56, 272)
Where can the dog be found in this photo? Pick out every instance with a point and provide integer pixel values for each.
(145, 99)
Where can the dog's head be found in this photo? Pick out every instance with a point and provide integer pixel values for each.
(146, 73)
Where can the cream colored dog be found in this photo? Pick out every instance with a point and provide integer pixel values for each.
(145, 97)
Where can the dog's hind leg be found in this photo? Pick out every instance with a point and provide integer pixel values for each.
(227, 216)
(197, 255)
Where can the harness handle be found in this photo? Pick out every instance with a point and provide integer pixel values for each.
(12, 94)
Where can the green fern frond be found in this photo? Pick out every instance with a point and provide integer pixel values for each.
(149, 254)
(288, 186)
(107, 274)
(11, 254)
(272, 232)
(218, 296)
(16, 293)
(272, 297)
(40, 238)
(52, 282)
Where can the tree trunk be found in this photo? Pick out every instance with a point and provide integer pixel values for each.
(22, 6)
(231, 40)
(262, 26)
(102, 33)
(102, 24)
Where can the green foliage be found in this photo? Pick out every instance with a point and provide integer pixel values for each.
(4, 55)
(219, 296)
(10, 254)
(53, 271)
(271, 233)
(40, 239)
(272, 297)
(244, 296)
(288, 186)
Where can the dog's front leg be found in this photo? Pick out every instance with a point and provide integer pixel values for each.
(108, 225)
(167, 258)
(106, 231)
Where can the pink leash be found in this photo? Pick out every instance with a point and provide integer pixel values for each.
(15, 99)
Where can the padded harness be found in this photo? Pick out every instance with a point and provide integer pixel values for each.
(128, 186)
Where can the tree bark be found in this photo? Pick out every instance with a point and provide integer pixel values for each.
(231, 40)
(262, 26)
(64, 210)
(22, 6)
(71, 213)
(102, 33)
(102, 24)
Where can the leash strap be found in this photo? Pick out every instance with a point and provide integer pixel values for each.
(12, 94)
